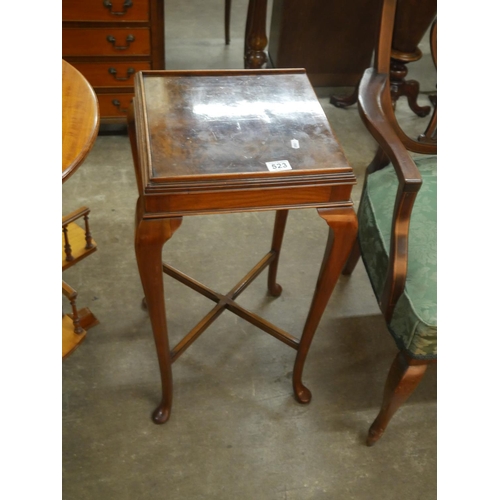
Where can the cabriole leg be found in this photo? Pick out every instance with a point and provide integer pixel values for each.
(150, 236)
(343, 228)
(404, 376)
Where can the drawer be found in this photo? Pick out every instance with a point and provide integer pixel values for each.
(111, 74)
(106, 42)
(114, 104)
(105, 10)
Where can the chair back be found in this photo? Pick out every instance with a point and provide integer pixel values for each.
(381, 68)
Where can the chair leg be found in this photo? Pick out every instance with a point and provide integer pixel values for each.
(345, 101)
(279, 230)
(227, 19)
(404, 376)
(352, 260)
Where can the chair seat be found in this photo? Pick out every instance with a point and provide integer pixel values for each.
(414, 322)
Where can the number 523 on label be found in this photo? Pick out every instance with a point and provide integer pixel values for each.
(274, 166)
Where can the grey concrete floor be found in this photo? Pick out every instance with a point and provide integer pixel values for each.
(236, 430)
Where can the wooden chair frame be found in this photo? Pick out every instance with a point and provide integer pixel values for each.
(377, 112)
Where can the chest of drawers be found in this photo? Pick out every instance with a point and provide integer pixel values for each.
(109, 41)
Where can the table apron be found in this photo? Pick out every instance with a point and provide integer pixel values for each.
(248, 200)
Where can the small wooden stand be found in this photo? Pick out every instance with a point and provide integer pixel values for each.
(207, 142)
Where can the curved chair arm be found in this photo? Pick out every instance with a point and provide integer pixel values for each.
(374, 97)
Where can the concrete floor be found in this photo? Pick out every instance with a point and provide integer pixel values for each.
(236, 431)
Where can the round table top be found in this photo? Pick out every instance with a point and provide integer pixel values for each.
(80, 119)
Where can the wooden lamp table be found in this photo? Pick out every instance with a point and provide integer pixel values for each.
(208, 142)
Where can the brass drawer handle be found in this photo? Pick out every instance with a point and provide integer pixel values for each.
(112, 40)
(117, 103)
(130, 72)
(126, 5)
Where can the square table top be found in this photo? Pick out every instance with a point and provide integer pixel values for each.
(202, 126)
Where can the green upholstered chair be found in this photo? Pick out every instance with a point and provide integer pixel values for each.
(397, 230)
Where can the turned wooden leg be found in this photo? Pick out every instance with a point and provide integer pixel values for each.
(255, 35)
(409, 88)
(343, 227)
(71, 295)
(279, 230)
(227, 19)
(404, 376)
(346, 101)
(150, 235)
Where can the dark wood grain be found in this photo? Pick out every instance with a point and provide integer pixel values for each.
(413, 18)
(332, 40)
(229, 124)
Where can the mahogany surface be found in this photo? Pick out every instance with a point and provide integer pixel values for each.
(332, 40)
(230, 124)
(200, 142)
(80, 119)
(413, 18)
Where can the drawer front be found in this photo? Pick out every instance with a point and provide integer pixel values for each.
(111, 74)
(106, 42)
(115, 105)
(105, 10)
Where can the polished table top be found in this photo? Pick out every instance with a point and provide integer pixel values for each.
(201, 131)
(234, 124)
(80, 119)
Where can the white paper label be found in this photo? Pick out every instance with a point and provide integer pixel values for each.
(274, 166)
(295, 144)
